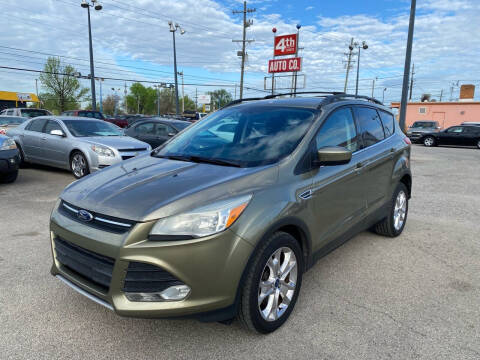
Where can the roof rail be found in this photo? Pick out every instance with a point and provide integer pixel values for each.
(324, 93)
(341, 96)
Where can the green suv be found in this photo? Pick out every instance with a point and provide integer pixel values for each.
(217, 224)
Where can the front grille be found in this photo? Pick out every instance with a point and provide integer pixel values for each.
(132, 150)
(142, 277)
(127, 157)
(91, 266)
(99, 221)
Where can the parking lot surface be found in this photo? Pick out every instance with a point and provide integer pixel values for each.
(412, 297)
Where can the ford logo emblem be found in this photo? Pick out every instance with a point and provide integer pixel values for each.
(84, 215)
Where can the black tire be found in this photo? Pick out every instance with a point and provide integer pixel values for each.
(76, 173)
(9, 178)
(23, 163)
(249, 310)
(429, 141)
(478, 143)
(386, 227)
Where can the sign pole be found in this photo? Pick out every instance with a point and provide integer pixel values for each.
(296, 55)
(274, 30)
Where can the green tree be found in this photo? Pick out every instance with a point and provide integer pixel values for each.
(220, 98)
(189, 103)
(62, 88)
(109, 105)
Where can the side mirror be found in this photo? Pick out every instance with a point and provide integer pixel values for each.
(333, 155)
(171, 134)
(57, 133)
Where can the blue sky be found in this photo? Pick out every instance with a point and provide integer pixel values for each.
(132, 42)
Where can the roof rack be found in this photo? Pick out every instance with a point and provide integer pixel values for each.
(341, 96)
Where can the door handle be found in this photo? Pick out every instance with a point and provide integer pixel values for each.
(359, 167)
(44, 138)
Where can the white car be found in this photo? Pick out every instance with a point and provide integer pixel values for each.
(25, 112)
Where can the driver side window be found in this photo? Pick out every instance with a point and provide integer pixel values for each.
(339, 130)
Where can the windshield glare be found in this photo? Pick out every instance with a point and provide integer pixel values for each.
(88, 128)
(247, 136)
(423, 124)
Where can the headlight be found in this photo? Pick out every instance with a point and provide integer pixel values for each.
(204, 221)
(8, 144)
(103, 150)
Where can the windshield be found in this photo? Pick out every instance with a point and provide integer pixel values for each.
(11, 120)
(81, 128)
(424, 124)
(30, 113)
(242, 136)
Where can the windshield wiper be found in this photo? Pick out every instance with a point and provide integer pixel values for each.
(199, 159)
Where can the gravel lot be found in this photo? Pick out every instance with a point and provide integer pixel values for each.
(413, 297)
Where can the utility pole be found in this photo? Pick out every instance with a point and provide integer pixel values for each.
(101, 100)
(36, 90)
(125, 98)
(411, 82)
(360, 47)
(173, 29)
(441, 95)
(349, 64)
(373, 87)
(235, 98)
(196, 99)
(183, 94)
(406, 70)
(244, 41)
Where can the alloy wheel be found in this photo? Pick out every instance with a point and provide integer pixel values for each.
(400, 210)
(79, 165)
(277, 284)
(428, 141)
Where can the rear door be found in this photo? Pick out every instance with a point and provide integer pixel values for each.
(375, 157)
(452, 136)
(32, 139)
(55, 148)
(146, 132)
(163, 132)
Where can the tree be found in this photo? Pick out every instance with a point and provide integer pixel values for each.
(63, 90)
(189, 103)
(220, 97)
(109, 105)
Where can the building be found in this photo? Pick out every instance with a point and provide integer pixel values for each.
(10, 99)
(446, 113)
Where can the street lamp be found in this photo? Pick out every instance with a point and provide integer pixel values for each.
(173, 29)
(383, 96)
(115, 100)
(96, 5)
(363, 46)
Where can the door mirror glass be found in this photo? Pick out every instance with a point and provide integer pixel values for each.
(333, 155)
(57, 133)
(171, 134)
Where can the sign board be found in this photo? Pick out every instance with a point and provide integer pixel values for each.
(24, 97)
(285, 65)
(206, 107)
(285, 45)
(204, 99)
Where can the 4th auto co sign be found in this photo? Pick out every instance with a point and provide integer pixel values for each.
(284, 65)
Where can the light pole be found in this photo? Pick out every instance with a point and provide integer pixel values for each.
(100, 80)
(158, 98)
(383, 96)
(115, 100)
(183, 92)
(363, 46)
(173, 29)
(86, 5)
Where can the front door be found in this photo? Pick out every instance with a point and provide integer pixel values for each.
(337, 191)
(452, 136)
(55, 148)
(31, 140)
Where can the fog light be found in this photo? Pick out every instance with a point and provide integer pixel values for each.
(173, 293)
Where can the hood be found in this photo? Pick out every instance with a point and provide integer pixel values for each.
(117, 142)
(148, 188)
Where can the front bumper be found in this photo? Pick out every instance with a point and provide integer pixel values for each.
(212, 267)
(9, 161)
(98, 162)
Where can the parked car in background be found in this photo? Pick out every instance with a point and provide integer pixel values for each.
(455, 135)
(418, 128)
(119, 121)
(215, 228)
(156, 130)
(475, 123)
(9, 159)
(9, 122)
(84, 113)
(25, 112)
(75, 143)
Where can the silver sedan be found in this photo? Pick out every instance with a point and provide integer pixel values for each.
(81, 145)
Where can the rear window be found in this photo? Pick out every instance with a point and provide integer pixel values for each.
(30, 113)
(91, 114)
(11, 120)
(388, 123)
(370, 125)
(424, 124)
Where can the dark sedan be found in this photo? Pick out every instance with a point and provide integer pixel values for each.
(9, 160)
(155, 131)
(455, 135)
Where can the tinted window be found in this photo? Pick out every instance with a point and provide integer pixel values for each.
(425, 124)
(146, 128)
(51, 125)
(37, 125)
(10, 112)
(30, 113)
(388, 123)
(80, 128)
(455, 129)
(91, 114)
(164, 130)
(5, 120)
(339, 130)
(263, 135)
(370, 125)
(471, 129)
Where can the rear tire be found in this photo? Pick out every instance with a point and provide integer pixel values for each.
(429, 141)
(394, 223)
(272, 284)
(23, 163)
(79, 165)
(9, 178)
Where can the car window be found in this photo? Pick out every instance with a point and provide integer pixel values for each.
(145, 128)
(37, 125)
(425, 124)
(370, 125)
(5, 120)
(227, 128)
(163, 129)
(455, 129)
(471, 129)
(89, 128)
(52, 125)
(30, 113)
(388, 122)
(9, 112)
(339, 130)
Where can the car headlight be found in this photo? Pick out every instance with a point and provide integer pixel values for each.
(103, 150)
(203, 221)
(8, 144)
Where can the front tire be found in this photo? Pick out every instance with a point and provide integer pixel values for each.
(79, 165)
(9, 178)
(429, 141)
(272, 284)
(394, 223)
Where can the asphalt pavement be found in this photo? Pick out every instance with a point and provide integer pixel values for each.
(413, 297)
